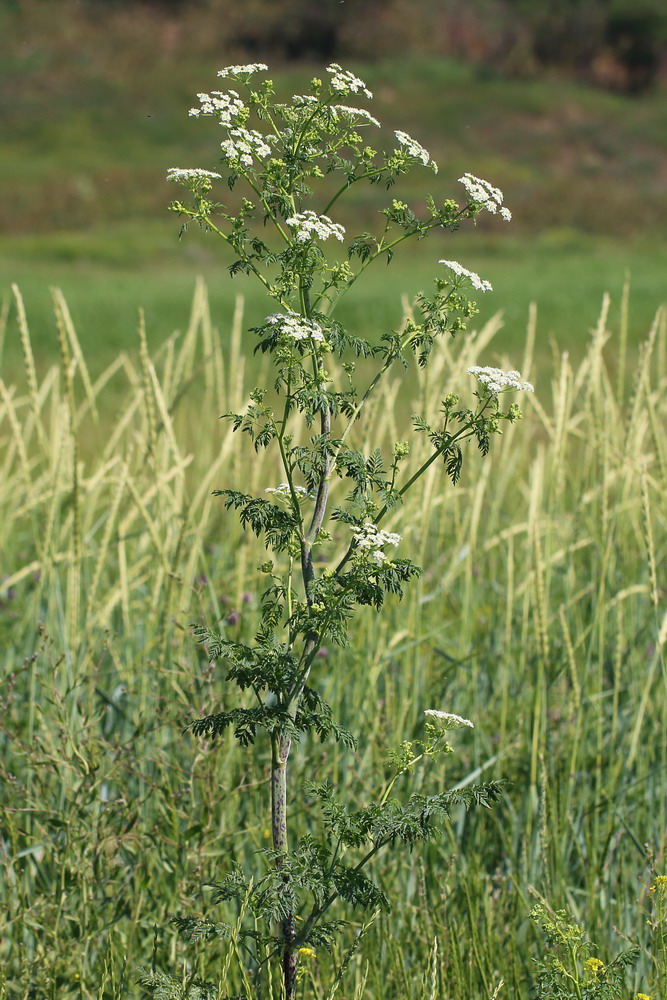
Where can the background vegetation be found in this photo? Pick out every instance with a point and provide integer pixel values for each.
(93, 104)
(618, 44)
(542, 612)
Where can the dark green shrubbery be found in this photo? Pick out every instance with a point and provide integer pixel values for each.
(619, 44)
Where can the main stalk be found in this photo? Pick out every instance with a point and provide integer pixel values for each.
(280, 748)
(281, 743)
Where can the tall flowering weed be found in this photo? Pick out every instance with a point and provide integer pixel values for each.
(325, 559)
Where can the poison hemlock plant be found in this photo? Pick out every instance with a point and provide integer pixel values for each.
(284, 155)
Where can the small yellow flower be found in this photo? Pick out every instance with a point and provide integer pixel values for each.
(594, 965)
(306, 953)
(660, 884)
(643, 996)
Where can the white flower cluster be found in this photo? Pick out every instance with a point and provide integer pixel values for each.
(309, 224)
(366, 116)
(416, 149)
(452, 721)
(284, 491)
(192, 176)
(295, 326)
(479, 283)
(486, 194)
(242, 145)
(243, 70)
(227, 106)
(370, 538)
(344, 82)
(495, 379)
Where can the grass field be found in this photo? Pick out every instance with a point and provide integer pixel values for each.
(541, 616)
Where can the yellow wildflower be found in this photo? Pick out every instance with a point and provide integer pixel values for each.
(594, 965)
(306, 953)
(660, 883)
(643, 996)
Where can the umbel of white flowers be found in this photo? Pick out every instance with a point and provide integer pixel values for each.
(283, 492)
(371, 539)
(496, 380)
(295, 326)
(244, 147)
(488, 195)
(463, 272)
(308, 224)
(449, 720)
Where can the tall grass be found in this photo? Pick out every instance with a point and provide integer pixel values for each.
(541, 616)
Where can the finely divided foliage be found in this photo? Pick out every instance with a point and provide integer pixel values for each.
(308, 415)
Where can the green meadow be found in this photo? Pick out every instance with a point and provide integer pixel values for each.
(566, 284)
(581, 171)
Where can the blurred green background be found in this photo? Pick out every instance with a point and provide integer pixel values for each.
(561, 104)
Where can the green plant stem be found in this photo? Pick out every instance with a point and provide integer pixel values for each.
(317, 912)
(310, 536)
(281, 743)
(574, 956)
(404, 489)
(269, 213)
(348, 184)
(390, 784)
(280, 748)
(258, 274)
(383, 249)
(358, 408)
